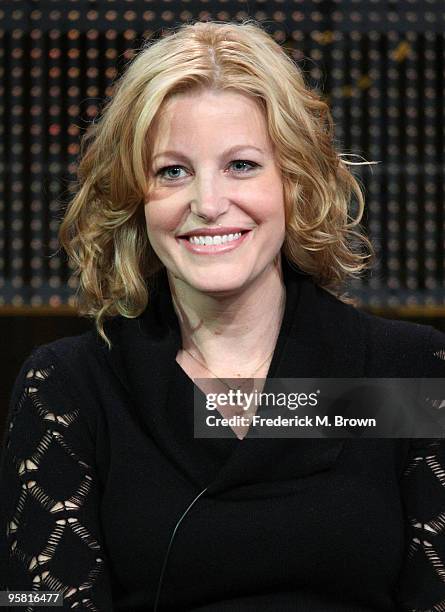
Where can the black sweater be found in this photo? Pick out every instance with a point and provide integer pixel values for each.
(99, 464)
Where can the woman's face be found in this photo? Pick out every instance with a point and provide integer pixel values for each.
(215, 208)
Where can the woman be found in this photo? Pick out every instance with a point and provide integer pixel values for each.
(211, 235)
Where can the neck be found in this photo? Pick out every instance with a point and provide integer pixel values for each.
(231, 332)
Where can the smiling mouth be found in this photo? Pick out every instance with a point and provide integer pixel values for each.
(214, 240)
(214, 244)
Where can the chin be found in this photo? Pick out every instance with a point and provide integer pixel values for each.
(219, 286)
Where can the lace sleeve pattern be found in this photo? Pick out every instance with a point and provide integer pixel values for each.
(422, 585)
(49, 514)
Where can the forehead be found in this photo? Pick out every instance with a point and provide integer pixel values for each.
(217, 116)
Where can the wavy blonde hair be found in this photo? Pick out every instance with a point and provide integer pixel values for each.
(103, 230)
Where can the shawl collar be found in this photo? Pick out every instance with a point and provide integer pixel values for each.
(320, 337)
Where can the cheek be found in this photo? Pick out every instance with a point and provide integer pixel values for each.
(159, 218)
(271, 204)
(269, 197)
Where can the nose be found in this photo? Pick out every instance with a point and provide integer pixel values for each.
(209, 200)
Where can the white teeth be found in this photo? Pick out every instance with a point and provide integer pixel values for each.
(211, 240)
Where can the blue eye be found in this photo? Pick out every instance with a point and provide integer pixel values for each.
(163, 172)
(244, 161)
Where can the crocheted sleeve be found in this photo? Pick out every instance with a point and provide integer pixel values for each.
(422, 585)
(50, 533)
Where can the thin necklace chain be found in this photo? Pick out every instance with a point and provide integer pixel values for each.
(221, 379)
(283, 301)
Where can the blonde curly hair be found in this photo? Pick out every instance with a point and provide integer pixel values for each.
(103, 230)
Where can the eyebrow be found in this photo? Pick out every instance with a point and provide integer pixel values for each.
(230, 151)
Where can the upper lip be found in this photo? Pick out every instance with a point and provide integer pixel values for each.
(213, 231)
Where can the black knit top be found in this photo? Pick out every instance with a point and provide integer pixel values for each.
(107, 497)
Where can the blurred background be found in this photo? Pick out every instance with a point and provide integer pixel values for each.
(379, 64)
